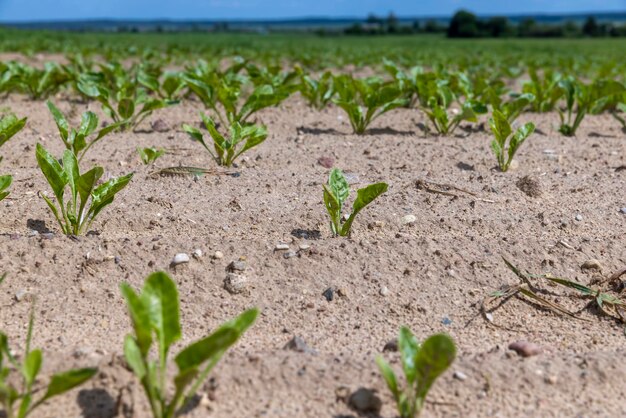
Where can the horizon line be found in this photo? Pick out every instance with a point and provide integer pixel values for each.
(306, 18)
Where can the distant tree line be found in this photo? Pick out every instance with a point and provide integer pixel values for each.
(390, 25)
(465, 24)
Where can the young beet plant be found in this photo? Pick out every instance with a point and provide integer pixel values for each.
(76, 140)
(581, 99)
(19, 403)
(422, 365)
(317, 92)
(364, 100)
(227, 149)
(437, 109)
(335, 194)
(503, 132)
(155, 319)
(128, 106)
(86, 200)
(149, 155)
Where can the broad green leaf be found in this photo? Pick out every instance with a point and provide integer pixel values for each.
(63, 382)
(60, 120)
(5, 183)
(107, 130)
(103, 195)
(148, 81)
(52, 170)
(155, 104)
(435, 355)
(31, 366)
(408, 347)
(338, 185)
(500, 126)
(55, 212)
(134, 357)
(364, 197)
(160, 297)
(195, 133)
(194, 355)
(86, 183)
(9, 126)
(254, 135)
(88, 124)
(140, 317)
(334, 209)
(126, 108)
(244, 321)
(183, 379)
(519, 137)
(149, 155)
(70, 167)
(389, 376)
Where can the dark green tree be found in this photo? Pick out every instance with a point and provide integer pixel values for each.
(591, 28)
(464, 24)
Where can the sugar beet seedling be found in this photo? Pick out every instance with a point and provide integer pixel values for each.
(335, 194)
(422, 365)
(75, 215)
(155, 318)
(19, 403)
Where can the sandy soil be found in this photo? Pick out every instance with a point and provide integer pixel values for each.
(430, 275)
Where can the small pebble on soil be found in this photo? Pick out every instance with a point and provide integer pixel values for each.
(235, 266)
(299, 345)
(235, 283)
(180, 258)
(525, 348)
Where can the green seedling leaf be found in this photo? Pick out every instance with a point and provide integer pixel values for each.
(5, 183)
(502, 131)
(60, 121)
(422, 365)
(52, 170)
(228, 149)
(201, 351)
(408, 346)
(31, 367)
(389, 376)
(434, 357)
(149, 155)
(103, 195)
(156, 309)
(126, 108)
(9, 126)
(140, 317)
(64, 382)
(338, 185)
(134, 357)
(160, 297)
(364, 197)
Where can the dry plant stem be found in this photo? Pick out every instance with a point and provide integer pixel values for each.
(426, 185)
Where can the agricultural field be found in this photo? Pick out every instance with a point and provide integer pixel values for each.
(273, 226)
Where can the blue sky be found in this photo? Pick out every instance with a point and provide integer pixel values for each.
(29, 10)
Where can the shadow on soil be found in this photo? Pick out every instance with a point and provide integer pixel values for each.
(306, 233)
(96, 403)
